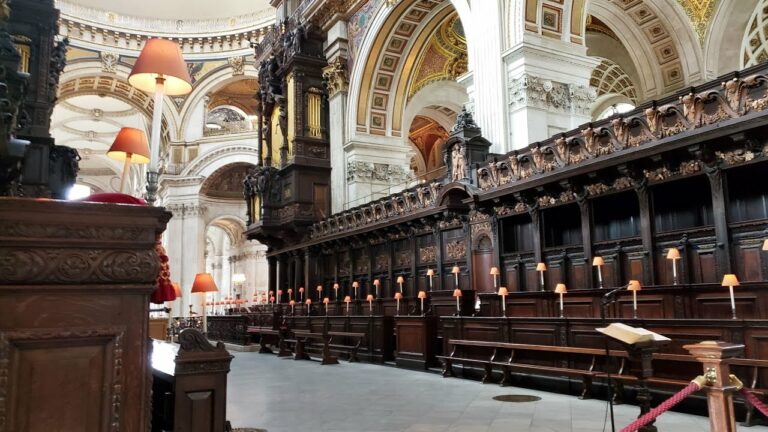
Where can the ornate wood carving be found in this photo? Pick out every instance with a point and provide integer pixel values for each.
(456, 250)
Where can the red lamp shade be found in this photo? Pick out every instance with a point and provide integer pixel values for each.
(161, 58)
(204, 283)
(422, 295)
(130, 143)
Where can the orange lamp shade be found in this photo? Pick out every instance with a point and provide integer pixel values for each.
(355, 284)
(376, 282)
(430, 272)
(503, 291)
(765, 245)
(292, 302)
(336, 286)
(457, 292)
(400, 279)
(279, 292)
(130, 143)
(730, 280)
(495, 271)
(290, 291)
(561, 288)
(347, 299)
(541, 267)
(634, 285)
(398, 296)
(319, 287)
(369, 297)
(301, 290)
(176, 289)
(204, 283)
(598, 261)
(456, 270)
(161, 58)
(673, 254)
(309, 302)
(326, 300)
(272, 299)
(422, 294)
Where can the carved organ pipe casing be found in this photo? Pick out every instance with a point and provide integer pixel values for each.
(314, 101)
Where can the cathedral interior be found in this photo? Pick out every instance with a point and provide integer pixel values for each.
(562, 196)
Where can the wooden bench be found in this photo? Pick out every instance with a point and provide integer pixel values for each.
(303, 338)
(352, 348)
(502, 355)
(277, 339)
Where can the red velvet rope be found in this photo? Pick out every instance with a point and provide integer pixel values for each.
(755, 401)
(663, 407)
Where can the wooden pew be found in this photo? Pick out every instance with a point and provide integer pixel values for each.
(350, 349)
(268, 335)
(502, 355)
(303, 337)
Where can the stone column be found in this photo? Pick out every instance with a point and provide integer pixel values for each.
(185, 239)
(486, 79)
(336, 76)
(547, 77)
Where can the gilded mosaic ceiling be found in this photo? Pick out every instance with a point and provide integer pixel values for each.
(699, 12)
(445, 57)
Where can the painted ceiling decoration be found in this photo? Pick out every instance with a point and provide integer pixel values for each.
(596, 26)
(445, 57)
(226, 182)
(426, 134)
(608, 77)
(239, 93)
(699, 12)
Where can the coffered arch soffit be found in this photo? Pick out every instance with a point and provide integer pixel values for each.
(392, 44)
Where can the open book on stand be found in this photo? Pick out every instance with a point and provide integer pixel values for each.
(631, 335)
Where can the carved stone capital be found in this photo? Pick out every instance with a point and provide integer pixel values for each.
(532, 91)
(335, 75)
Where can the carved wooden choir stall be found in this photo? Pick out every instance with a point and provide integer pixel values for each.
(664, 195)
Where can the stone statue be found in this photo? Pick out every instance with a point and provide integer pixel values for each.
(458, 162)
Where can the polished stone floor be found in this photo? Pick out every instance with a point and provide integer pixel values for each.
(283, 395)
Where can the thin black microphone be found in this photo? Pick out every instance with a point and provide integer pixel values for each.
(608, 297)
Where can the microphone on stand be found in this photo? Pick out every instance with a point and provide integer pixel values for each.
(609, 297)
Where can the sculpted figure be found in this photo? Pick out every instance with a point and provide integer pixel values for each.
(458, 163)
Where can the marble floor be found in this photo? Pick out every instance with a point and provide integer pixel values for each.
(283, 395)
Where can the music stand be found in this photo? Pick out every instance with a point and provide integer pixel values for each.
(640, 345)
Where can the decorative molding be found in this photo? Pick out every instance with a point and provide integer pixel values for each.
(456, 250)
(428, 254)
(335, 75)
(237, 64)
(109, 61)
(72, 266)
(376, 172)
(531, 91)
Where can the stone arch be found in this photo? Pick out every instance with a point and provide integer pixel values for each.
(629, 34)
(455, 194)
(87, 76)
(212, 81)
(232, 225)
(394, 38)
(723, 42)
(207, 163)
(448, 94)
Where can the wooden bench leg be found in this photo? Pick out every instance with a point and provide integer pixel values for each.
(487, 375)
(300, 354)
(506, 377)
(283, 350)
(586, 392)
(447, 369)
(328, 359)
(263, 348)
(353, 354)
